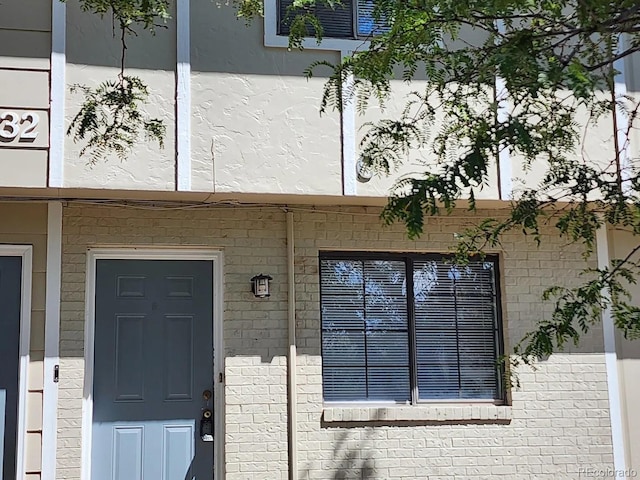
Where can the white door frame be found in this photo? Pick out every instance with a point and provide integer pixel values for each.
(26, 253)
(145, 253)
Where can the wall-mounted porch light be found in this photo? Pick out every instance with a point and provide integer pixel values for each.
(363, 171)
(260, 285)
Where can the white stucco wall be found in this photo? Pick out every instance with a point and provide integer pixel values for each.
(93, 56)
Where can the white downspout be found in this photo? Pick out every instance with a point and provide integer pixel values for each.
(292, 364)
(51, 340)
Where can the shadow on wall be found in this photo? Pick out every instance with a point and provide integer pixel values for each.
(220, 43)
(25, 31)
(350, 461)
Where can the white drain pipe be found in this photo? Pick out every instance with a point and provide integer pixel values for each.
(292, 363)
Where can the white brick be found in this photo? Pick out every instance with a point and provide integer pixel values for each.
(560, 406)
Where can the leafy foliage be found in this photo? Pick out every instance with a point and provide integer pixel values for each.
(249, 9)
(513, 75)
(128, 13)
(110, 117)
(111, 120)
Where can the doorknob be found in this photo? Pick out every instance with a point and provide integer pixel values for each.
(207, 395)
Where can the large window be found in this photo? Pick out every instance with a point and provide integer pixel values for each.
(409, 328)
(350, 19)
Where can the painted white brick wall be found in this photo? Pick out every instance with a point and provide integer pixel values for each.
(559, 416)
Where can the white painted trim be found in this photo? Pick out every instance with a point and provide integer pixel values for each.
(504, 157)
(144, 253)
(183, 97)
(622, 120)
(611, 361)
(348, 127)
(218, 365)
(57, 94)
(292, 367)
(272, 39)
(26, 252)
(51, 340)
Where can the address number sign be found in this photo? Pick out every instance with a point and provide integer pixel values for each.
(22, 127)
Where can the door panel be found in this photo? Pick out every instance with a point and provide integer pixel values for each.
(10, 292)
(153, 360)
(177, 451)
(129, 369)
(127, 458)
(178, 339)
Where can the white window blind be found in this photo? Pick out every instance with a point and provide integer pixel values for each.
(384, 339)
(339, 22)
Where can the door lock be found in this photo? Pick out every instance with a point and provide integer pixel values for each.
(206, 426)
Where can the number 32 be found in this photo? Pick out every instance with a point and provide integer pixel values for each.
(10, 123)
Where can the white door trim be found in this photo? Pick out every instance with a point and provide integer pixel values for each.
(611, 360)
(144, 253)
(26, 252)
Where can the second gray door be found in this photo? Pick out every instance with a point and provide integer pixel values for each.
(153, 370)
(10, 291)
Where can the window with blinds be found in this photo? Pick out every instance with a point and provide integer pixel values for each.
(349, 19)
(406, 328)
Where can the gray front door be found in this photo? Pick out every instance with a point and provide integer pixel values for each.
(153, 363)
(10, 292)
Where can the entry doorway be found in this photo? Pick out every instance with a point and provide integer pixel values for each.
(15, 318)
(154, 391)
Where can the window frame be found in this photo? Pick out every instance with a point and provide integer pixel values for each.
(272, 39)
(409, 258)
(355, 22)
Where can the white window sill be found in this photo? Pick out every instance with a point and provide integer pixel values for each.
(330, 44)
(444, 413)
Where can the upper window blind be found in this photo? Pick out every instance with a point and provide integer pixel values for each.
(336, 23)
(343, 21)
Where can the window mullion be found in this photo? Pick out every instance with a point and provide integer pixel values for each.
(455, 313)
(364, 329)
(354, 14)
(498, 353)
(411, 331)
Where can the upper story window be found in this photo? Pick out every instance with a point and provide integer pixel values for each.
(351, 19)
(409, 328)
